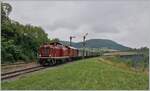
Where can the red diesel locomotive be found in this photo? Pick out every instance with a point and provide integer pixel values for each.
(54, 53)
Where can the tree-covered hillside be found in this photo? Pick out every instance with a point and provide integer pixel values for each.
(99, 43)
(19, 42)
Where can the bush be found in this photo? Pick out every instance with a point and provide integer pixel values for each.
(130, 63)
(24, 57)
(9, 58)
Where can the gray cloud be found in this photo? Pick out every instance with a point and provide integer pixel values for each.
(62, 24)
(126, 22)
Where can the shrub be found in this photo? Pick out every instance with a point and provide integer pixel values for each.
(9, 58)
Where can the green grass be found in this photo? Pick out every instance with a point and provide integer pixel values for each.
(88, 74)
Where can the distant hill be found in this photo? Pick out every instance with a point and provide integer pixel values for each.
(99, 43)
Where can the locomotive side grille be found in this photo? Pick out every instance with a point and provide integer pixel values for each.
(45, 52)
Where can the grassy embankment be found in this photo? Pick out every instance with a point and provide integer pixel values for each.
(93, 73)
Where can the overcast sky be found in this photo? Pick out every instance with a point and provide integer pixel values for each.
(126, 22)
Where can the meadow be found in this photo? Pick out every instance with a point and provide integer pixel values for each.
(87, 74)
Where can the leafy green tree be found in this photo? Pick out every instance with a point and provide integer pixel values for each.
(5, 11)
(19, 42)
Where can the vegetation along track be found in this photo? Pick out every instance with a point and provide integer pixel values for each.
(12, 74)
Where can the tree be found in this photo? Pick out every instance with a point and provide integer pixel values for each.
(19, 42)
(5, 11)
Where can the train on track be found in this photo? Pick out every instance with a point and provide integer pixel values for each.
(55, 53)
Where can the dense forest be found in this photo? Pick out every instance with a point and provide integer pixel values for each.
(19, 42)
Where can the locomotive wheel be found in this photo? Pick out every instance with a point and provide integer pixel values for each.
(64, 60)
(52, 62)
(69, 59)
(45, 63)
(58, 62)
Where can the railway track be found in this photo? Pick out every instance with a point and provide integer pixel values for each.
(13, 74)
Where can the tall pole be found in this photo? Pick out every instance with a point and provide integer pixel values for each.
(70, 40)
(83, 46)
(84, 37)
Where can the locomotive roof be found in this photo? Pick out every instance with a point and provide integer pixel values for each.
(72, 47)
(52, 43)
(60, 44)
(64, 45)
(56, 43)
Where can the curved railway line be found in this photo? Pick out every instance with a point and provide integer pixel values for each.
(13, 74)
